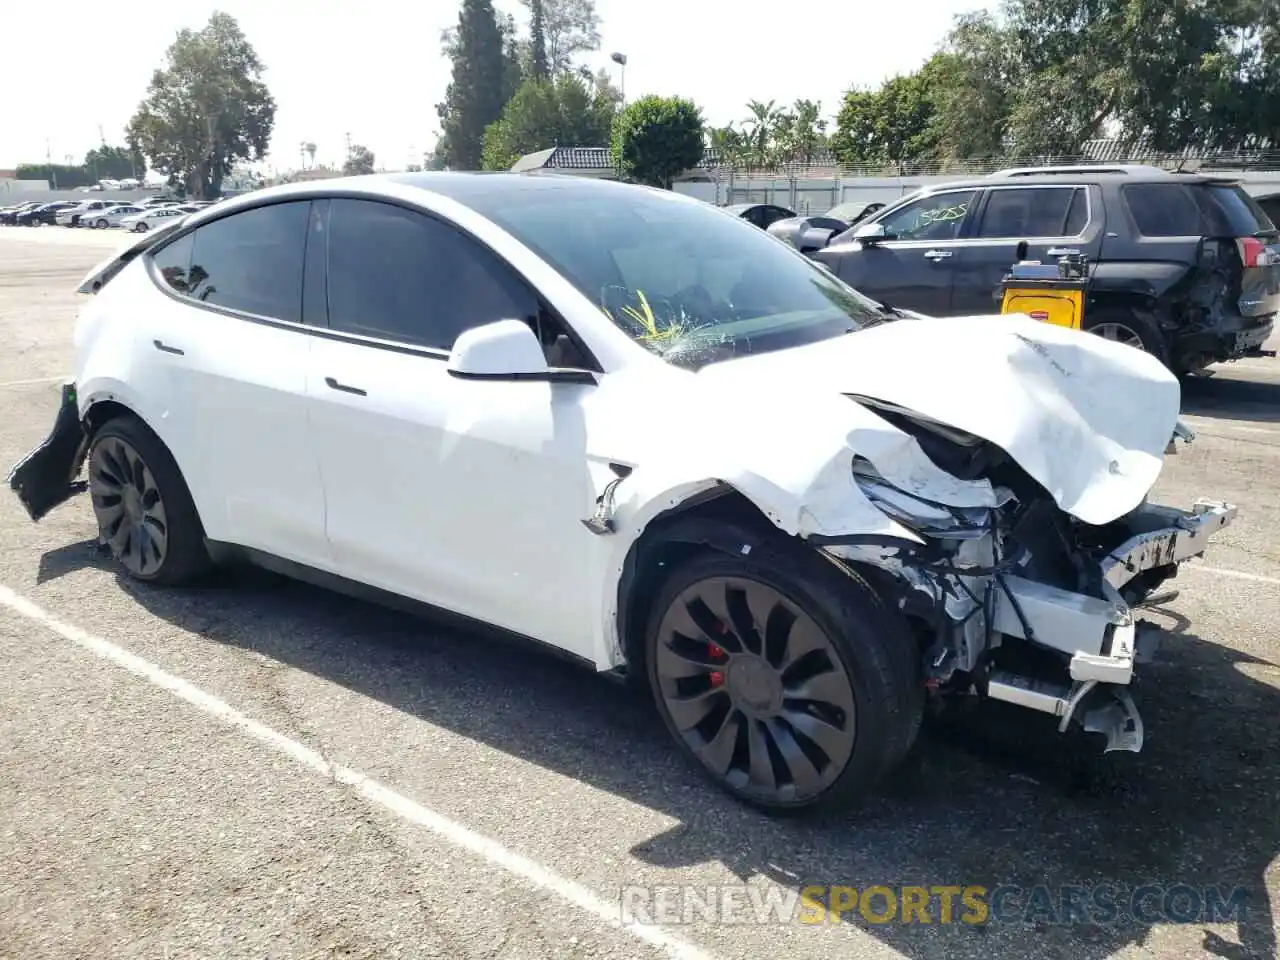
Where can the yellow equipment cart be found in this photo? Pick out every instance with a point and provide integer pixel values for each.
(1049, 292)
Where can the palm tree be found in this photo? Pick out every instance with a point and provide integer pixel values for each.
(761, 126)
(311, 152)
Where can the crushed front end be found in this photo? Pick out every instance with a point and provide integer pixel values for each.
(1024, 603)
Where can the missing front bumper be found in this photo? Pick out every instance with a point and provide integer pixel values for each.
(1101, 637)
(47, 476)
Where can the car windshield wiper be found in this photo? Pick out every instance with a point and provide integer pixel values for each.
(890, 310)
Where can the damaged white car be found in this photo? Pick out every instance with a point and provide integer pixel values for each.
(619, 422)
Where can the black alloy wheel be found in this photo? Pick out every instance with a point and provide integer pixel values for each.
(787, 681)
(145, 514)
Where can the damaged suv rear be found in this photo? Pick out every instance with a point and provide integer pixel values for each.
(1184, 266)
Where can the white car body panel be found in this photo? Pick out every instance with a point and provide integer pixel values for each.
(231, 407)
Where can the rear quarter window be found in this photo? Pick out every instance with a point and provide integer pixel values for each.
(1163, 209)
(1233, 213)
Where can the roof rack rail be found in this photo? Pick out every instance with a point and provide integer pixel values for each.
(1077, 169)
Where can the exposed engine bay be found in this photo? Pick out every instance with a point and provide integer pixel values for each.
(1023, 602)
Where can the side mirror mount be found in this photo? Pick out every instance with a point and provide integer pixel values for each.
(871, 233)
(506, 350)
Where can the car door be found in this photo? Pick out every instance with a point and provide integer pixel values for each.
(230, 346)
(914, 266)
(464, 494)
(1053, 219)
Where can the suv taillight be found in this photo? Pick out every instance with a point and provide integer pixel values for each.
(1255, 253)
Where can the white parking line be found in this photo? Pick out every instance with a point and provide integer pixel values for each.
(1233, 574)
(28, 383)
(449, 830)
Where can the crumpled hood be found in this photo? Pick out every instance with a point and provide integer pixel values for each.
(1087, 418)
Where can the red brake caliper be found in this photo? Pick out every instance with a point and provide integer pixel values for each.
(718, 654)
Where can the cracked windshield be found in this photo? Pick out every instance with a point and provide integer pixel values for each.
(688, 282)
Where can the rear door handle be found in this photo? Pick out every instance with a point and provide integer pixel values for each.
(164, 347)
(335, 385)
(937, 254)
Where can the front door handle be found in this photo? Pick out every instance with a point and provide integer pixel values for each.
(335, 385)
(165, 348)
(937, 254)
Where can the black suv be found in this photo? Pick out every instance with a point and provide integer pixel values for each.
(1185, 266)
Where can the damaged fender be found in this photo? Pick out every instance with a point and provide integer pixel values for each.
(801, 478)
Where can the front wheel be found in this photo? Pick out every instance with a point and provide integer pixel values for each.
(146, 516)
(101, 225)
(140, 228)
(783, 677)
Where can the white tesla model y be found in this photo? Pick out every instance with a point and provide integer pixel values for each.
(619, 422)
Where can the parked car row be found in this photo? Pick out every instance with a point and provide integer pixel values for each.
(138, 216)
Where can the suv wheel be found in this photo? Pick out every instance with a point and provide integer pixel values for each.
(1123, 326)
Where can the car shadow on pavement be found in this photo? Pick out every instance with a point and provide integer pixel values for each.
(994, 799)
(1231, 399)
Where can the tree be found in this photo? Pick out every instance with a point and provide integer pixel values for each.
(359, 160)
(758, 131)
(478, 91)
(205, 109)
(973, 81)
(539, 69)
(728, 145)
(799, 133)
(571, 27)
(889, 125)
(114, 163)
(657, 138)
(547, 113)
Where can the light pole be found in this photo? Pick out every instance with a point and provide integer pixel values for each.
(621, 60)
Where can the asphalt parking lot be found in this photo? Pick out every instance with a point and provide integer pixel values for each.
(259, 769)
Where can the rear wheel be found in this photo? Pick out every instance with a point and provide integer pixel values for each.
(140, 227)
(783, 677)
(145, 513)
(1131, 329)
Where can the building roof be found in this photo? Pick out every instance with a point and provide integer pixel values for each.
(582, 158)
(565, 158)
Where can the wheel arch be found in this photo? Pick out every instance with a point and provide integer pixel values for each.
(717, 517)
(104, 407)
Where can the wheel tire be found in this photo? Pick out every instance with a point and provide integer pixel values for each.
(140, 228)
(1106, 321)
(868, 648)
(163, 505)
(101, 225)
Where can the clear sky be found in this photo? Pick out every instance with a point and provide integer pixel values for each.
(372, 68)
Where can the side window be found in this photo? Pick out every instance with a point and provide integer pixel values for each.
(174, 262)
(1029, 212)
(1077, 213)
(399, 275)
(1162, 209)
(251, 261)
(937, 217)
